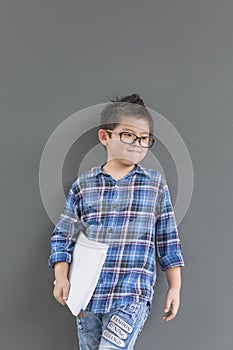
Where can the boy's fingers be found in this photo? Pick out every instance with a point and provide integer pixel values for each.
(172, 313)
(65, 293)
(167, 305)
(61, 296)
(168, 316)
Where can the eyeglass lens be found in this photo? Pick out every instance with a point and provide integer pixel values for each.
(145, 141)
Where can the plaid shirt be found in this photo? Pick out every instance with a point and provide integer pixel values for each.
(134, 215)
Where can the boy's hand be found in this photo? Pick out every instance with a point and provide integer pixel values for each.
(61, 290)
(172, 301)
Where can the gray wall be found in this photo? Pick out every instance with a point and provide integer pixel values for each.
(58, 57)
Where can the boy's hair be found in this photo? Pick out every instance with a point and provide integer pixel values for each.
(132, 105)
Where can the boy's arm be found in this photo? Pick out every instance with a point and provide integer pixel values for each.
(62, 243)
(174, 277)
(170, 258)
(61, 270)
(172, 301)
(65, 233)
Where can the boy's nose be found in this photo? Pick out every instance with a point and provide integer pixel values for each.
(136, 143)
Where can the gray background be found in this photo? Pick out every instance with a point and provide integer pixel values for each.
(58, 57)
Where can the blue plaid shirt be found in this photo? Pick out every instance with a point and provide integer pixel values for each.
(134, 215)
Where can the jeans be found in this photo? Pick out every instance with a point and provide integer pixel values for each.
(117, 329)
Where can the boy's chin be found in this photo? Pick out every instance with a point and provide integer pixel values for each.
(128, 162)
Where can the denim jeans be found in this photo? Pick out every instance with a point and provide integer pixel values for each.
(117, 329)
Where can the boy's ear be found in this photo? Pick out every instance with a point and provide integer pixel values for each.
(102, 136)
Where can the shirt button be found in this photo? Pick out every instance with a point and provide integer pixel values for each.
(110, 230)
(114, 206)
(101, 280)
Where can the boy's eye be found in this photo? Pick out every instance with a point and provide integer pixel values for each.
(128, 134)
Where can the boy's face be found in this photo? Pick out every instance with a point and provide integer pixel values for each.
(122, 153)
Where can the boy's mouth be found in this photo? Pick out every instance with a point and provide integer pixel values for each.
(134, 150)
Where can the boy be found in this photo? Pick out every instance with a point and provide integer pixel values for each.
(127, 206)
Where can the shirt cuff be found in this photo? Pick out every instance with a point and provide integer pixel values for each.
(59, 257)
(171, 260)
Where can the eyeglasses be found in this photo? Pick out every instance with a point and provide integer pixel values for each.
(130, 138)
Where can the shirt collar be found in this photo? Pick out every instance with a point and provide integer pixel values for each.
(138, 169)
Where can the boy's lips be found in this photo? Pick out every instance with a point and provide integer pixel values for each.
(133, 150)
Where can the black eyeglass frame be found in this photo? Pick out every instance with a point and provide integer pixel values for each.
(135, 137)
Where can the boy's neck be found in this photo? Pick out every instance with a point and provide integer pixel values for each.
(117, 171)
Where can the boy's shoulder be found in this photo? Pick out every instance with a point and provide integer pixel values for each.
(83, 176)
(92, 172)
(156, 177)
(151, 173)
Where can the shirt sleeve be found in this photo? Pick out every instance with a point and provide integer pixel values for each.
(167, 237)
(66, 230)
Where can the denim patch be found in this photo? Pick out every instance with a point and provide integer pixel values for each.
(113, 339)
(120, 322)
(115, 329)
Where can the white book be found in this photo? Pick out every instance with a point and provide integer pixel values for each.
(87, 262)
